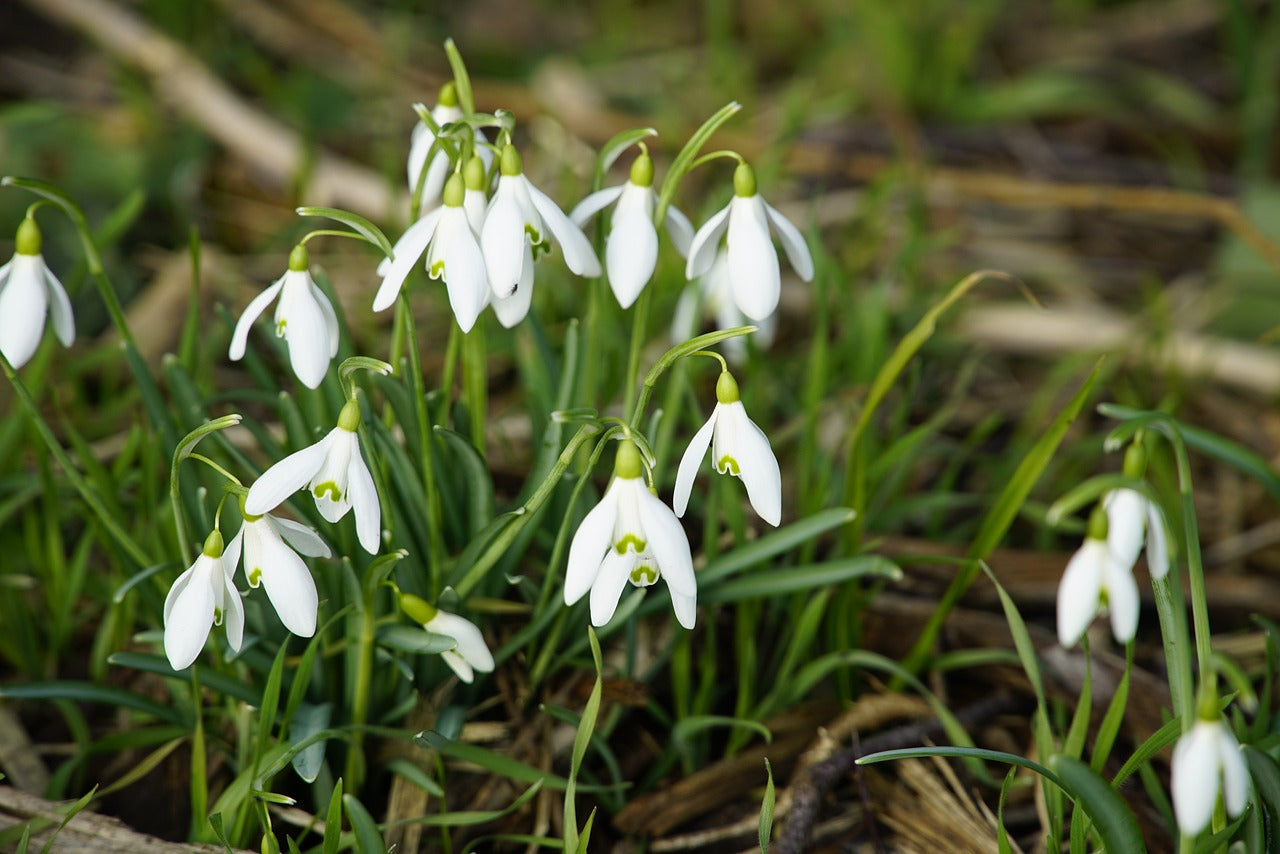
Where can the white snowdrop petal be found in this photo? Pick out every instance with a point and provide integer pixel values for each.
(503, 241)
(1235, 773)
(586, 551)
(1079, 589)
(1194, 777)
(467, 636)
(286, 477)
(179, 584)
(301, 538)
(437, 174)
(306, 331)
(287, 580)
(609, 584)
(593, 204)
(421, 141)
(330, 319)
(680, 230)
(1126, 519)
(24, 304)
(667, 542)
(685, 607)
(631, 253)
(1123, 602)
(513, 308)
(190, 620)
(405, 254)
(793, 243)
(689, 463)
(753, 262)
(578, 254)
(364, 500)
(702, 249)
(465, 276)
(757, 465)
(458, 665)
(1157, 542)
(64, 323)
(476, 204)
(231, 554)
(240, 337)
(233, 614)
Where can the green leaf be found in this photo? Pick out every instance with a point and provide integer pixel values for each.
(369, 232)
(414, 774)
(87, 692)
(614, 148)
(496, 763)
(139, 577)
(270, 703)
(1264, 771)
(159, 665)
(798, 579)
(773, 544)
(414, 640)
(766, 810)
(368, 837)
(476, 475)
(333, 821)
(685, 729)
(307, 721)
(580, 741)
(467, 818)
(1002, 836)
(461, 79)
(1111, 816)
(72, 812)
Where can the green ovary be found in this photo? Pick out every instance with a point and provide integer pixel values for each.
(728, 464)
(329, 487)
(637, 545)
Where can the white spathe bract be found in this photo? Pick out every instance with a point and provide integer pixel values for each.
(201, 597)
(1131, 517)
(631, 249)
(712, 294)
(1094, 578)
(630, 536)
(753, 262)
(1207, 758)
(739, 448)
(304, 318)
(453, 254)
(470, 653)
(334, 473)
(518, 218)
(271, 548)
(30, 292)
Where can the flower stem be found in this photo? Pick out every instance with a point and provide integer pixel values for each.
(474, 385)
(361, 690)
(435, 543)
(639, 321)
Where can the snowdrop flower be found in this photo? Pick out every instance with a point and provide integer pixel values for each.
(630, 536)
(453, 253)
(29, 291)
(202, 597)
(712, 293)
(1130, 516)
(304, 319)
(271, 558)
(445, 111)
(470, 654)
(739, 448)
(631, 249)
(753, 262)
(1206, 758)
(334, 473)
(1095, 580)
(513, 225)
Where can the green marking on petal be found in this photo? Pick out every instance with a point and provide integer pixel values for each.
(437, 269)
(280, 326)
(217, 616)
(729, 465)
(644, 575)
(629, 540)
(255, 577)
(535, 237)
(330, 487)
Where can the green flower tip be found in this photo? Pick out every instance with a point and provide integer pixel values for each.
(510, 163)
(28, 239)
(1135, 460)
(298, 260)
(473, 174)
(642, 170)
(627, 465)
(448, 96)
(455, 190)
(727, 388)
(1097, 524)
(417, 609)
(744, 181)
(213, 544)
(349, 417)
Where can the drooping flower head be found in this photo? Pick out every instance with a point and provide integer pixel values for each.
(1094, 580)
(469, 654)
(1207, 760)
(631, 249)
(753, 262)
(1132, 517)
(711, 294)
(738, 448)
(271, 558)
(333, 472)
(453, 253)
(304, 319)
(446, 110)
(630, 536)
(30, 292)
(518, 219)
(202, 597)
